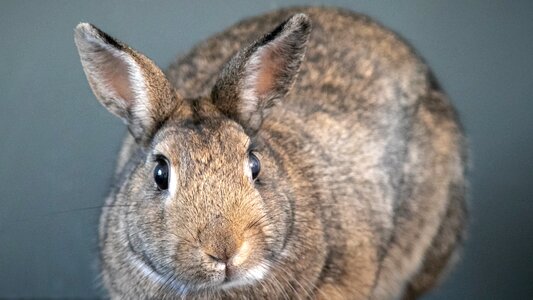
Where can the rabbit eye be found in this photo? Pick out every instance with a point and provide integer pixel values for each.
(161, 174)
(255, 165)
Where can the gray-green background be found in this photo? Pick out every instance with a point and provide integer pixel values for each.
(58, 146)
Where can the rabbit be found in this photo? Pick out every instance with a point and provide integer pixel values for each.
(307, 153)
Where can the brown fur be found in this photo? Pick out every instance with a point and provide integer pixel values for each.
(361, 189)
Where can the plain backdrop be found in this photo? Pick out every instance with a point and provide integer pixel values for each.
(58, 145)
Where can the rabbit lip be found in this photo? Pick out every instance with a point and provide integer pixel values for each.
(248, 277)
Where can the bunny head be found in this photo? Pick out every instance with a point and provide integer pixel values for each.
(202, 205)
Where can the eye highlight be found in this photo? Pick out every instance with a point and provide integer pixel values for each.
(161, 173)
(254, 164)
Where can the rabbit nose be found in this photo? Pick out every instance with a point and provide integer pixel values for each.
(223, 259)
(219, 242)
(222, 250)
(230, 264)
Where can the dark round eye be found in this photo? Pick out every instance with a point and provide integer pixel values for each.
(255, 165)
(161, 174)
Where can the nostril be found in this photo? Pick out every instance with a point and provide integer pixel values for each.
(220, 251)
(220, 258)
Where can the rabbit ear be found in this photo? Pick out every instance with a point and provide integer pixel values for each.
(258, 76)
(126, 82)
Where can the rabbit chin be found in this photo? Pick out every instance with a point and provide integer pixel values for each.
(169, 281)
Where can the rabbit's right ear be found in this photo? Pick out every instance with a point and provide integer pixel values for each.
(125, 81)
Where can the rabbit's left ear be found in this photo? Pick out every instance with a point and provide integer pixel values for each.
(257, 77)
(125, 81)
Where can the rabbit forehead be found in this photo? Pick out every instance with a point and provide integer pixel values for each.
(201, 142)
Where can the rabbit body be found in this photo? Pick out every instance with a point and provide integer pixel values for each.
(361, 193)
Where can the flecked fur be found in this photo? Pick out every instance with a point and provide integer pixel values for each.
(361, 194)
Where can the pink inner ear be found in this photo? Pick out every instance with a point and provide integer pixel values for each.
(117, 78)
(270, 62)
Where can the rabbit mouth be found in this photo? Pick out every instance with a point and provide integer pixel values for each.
(168, 280)
(142, 263)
